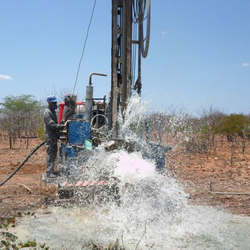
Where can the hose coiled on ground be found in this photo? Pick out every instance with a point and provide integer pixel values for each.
(20, 166)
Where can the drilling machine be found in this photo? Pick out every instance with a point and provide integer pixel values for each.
(130, 42)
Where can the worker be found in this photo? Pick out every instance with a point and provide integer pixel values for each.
(70, 107)
(51, 133)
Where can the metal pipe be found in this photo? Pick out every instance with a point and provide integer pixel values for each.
(89, 97)
(96, 74)
(88, 103)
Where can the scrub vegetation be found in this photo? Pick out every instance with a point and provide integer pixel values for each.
(203, 134)
(21, 118)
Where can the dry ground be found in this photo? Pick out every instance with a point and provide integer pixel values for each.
(199, 173)
(26, 189)
(204, 175)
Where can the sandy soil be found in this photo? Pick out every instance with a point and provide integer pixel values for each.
(206, 176)
(200, 174)
(26, 189)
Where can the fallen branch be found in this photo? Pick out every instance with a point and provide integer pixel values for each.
(26, 188)
(225, 193)
(229, 193)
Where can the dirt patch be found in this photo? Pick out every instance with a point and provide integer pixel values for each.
(206, 176)
(26, 189)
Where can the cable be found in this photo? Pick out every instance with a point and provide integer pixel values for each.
(20, 166)
(84, 45)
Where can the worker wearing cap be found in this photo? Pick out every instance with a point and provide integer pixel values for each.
(52, 129)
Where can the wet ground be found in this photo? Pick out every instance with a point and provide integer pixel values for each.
(73, 228)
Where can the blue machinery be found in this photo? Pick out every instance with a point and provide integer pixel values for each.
(77, 136)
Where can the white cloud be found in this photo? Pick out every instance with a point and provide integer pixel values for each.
(245, 64)
(5, 77)
(164, 33)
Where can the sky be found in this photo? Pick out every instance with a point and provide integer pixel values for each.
(199, 56)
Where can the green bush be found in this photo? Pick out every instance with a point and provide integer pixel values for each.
(234, 125)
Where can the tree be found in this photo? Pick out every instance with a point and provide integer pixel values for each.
(21, 116)
(233, 126)
(209, 122)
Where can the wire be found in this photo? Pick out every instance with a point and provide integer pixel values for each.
(84, 45)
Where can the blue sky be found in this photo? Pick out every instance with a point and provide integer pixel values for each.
(199, 53)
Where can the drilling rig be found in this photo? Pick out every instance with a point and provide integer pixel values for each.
(130, 42)
(85, 119)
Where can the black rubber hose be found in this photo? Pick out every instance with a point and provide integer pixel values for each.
(20, 166)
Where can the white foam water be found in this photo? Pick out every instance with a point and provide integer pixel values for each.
(153, 214)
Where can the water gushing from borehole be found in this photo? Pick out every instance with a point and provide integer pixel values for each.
(150, 210)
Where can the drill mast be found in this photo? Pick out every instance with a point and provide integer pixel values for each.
(128, 17)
